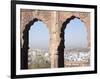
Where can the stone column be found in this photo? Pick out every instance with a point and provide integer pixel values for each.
(53, 40)
(26, 16)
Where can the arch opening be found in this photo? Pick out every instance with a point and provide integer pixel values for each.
(30, 42)
(73, 38)
(38, 53)
(76, 44)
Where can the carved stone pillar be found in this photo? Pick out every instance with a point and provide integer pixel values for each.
(26, 16)
(53, 51)
(57, 56)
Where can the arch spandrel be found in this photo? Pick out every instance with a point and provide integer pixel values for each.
(45, 16)
(28, 15)
(64, 15)
(83, 16)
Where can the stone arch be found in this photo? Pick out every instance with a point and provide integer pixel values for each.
(54, 21)
(83, 16)
(61, 45)
(25, 46)
(27, 15)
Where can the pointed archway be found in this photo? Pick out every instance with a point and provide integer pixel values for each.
(25, 47)
(61, 46)
(76, 44)
(38, 53)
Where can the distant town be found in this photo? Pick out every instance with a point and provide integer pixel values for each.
(38, 58)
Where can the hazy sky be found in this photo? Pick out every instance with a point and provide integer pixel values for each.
(75, 35)
(39, 36)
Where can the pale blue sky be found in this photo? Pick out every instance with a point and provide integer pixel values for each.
(39, 36)
(75, 35)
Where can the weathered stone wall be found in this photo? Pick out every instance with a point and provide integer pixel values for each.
(54, 21)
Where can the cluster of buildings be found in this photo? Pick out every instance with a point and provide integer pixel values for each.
(71, 57)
